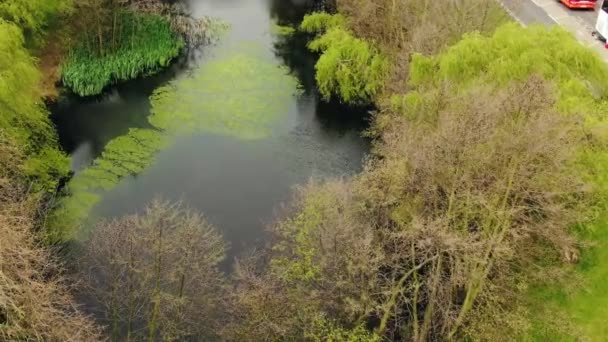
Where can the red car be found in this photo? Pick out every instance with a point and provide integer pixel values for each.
(587, 4)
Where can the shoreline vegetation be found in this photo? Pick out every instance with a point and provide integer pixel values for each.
(479, 215)
(146, 45)
(117, 41)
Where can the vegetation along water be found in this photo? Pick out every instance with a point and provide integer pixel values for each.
(272, 170)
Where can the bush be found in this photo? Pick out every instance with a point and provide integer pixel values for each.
(23, 118)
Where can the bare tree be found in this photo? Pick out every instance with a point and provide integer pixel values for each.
(155, 275)
(35, 300)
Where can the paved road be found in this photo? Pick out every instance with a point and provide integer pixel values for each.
(580, 23)
(531, 12)
(587, 16)
(527, 12)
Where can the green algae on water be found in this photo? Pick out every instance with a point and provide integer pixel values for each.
(124, 156)
(240, 95)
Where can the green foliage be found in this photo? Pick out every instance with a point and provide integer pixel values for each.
(22, 115)
(146, 44)
(298, 237)
(282, 31)
(323, 330)
(319, 22)
(514, 53)
(349, 67)
(32, 16)
(237, 94)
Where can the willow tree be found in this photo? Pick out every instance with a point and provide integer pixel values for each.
(23, 117)
(33, 16)
(350, 68)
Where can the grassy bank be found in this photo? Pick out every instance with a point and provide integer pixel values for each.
(145, 44)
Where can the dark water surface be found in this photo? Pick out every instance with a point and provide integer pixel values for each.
(238, 184)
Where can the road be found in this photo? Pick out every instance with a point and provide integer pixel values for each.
(586, 16)
(580, 23)
(527, 12)
(531, 12)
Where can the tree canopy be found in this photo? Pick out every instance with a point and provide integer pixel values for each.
(24, 117)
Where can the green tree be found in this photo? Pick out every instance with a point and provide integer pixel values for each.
(349, 67)
(23, 116)
(33, 16)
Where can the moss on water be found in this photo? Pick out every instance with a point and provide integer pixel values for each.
(124, 156)
(240, 95)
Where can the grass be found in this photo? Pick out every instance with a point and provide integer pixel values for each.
(589, 308)
(147, 44)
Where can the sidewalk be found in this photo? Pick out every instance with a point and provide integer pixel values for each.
(562, 16)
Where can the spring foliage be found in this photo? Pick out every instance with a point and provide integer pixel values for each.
(32, 16)
(23, 116)
(349, 67)
(146, 44)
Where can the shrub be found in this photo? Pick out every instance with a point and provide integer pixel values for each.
(22, 116)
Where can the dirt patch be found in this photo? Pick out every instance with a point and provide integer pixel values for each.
(50, 57)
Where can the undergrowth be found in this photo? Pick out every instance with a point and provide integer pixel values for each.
(146, 44)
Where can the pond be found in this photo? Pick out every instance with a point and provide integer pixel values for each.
(230, 130)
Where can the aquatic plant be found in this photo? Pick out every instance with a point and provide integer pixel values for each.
(146, 44)
(240, 95)
(124, 156)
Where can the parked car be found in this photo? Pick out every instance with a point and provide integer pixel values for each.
(601, 25)
(583, 4)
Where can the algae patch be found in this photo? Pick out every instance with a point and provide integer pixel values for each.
(240, 96)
